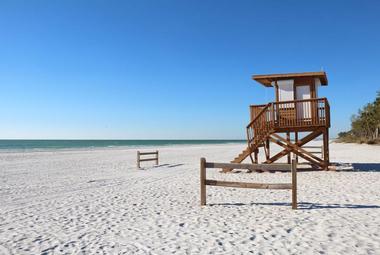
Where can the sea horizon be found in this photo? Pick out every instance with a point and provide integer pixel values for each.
(33, 144)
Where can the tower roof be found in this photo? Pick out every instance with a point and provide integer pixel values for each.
(266, 79)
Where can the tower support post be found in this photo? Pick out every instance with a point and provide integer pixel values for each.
(326, 156)
(288, 139)
(296, 142)
(256, 156)
(267, 146)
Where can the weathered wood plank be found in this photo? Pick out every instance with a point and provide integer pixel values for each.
(148, 153)
(253, 167)
(148, 159)
(249, 185)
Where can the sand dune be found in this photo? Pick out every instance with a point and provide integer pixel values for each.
(96, 201)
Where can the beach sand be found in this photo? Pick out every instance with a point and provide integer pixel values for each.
(96, 201)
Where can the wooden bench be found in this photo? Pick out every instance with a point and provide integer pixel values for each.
(139, 159)
(253, 167)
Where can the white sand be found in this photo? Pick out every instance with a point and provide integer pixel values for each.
(96, 201)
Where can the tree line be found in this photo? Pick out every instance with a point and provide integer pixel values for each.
(365, 125)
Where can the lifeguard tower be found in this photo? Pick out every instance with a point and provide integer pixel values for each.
(297, 109)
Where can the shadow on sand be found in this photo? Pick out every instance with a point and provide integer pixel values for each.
(176, 165)
(366, 167)
(165, 165)
(306, 206)
(161, 165)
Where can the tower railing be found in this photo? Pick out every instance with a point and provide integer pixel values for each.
(292, 114)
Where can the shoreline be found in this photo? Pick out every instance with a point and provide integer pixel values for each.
(121, 147)
(142, 146)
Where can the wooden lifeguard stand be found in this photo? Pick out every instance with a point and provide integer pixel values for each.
(297, 108)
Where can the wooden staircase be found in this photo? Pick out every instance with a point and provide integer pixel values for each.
(258, 130)
(240, 158)
(243, 155)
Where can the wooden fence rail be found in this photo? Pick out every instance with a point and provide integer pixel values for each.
(271, 167)
(315, 150)
(139, 159)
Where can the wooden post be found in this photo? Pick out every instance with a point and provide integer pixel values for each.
(294, 184)
(288, 139)
(313, 103)
(296, 142)
(157, 158)
(267, 144)
(322, 152)
(276, 89)
(326, 157)
(203, 181)
(138, 159)
(256, 156)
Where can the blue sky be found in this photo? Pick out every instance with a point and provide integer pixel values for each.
(174, 69)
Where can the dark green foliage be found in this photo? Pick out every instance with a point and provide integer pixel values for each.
(365, 126)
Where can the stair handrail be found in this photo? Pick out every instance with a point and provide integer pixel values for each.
(250, 127)
(258, 115)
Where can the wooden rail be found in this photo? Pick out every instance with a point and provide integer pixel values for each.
(139, 159)
(316, 149)
(207, 182)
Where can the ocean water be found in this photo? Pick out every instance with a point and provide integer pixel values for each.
(72, 144)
